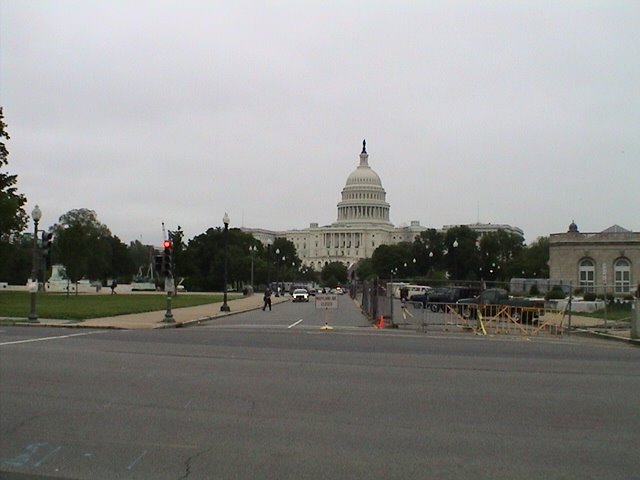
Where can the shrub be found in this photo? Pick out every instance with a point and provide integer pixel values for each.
(556, 293)
(589, 297)
(534, 290)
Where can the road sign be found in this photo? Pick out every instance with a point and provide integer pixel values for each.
(326, 302)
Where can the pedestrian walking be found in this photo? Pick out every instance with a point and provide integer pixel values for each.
(267, 299)
(114, 284)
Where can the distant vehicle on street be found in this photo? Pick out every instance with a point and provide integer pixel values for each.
(300, 295)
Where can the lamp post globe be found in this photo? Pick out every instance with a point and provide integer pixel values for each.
(455, 258)
(225, 220)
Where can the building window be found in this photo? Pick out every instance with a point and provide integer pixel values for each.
(622, 275)
(587, 275)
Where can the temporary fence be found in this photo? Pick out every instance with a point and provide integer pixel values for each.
(483, 319)
(384, 310)
(377, 302)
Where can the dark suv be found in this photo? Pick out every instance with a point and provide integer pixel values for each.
(438, 297)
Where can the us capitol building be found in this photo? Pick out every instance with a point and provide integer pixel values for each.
(362, 225)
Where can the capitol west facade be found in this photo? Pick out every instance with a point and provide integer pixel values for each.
(361, 227)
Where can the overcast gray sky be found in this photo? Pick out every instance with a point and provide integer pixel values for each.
(517, 112)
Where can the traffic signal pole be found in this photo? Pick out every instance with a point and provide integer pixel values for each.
(168, 316)
(168, 279)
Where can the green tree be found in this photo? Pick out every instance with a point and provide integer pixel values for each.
(203, 265)
(461, 256)
(532, 261)
(364, 269)
(203, 260)
(15, 251)
(428, 248)
(15, 259)
(81, 245)
(391, 258)
(121, 265)
(13, 217)
(498, 252)
(285, 260)
(334, 274)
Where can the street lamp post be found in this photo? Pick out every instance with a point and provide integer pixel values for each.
(252, 250)
(394, 272)
(36, 214)
(269, 263)
(225, 220)
(284, 259)
(277, 271)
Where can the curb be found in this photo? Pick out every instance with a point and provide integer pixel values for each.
(606, 336)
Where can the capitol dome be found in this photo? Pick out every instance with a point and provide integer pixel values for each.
(363, 198)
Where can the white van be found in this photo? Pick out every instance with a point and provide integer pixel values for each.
(413, 290)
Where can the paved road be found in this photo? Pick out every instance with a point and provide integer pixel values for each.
(265, 395)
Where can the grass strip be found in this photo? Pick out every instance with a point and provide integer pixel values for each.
(84, 306)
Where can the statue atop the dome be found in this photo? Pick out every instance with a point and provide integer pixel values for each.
(364, 146)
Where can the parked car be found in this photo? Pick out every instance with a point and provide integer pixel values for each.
(437, 298)
(300, 295)
(493, 300)
(456, 293)
(420, 300)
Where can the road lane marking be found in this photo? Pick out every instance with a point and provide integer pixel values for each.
(133, 464)
(46, 457)
(296, 323)
(42, 339)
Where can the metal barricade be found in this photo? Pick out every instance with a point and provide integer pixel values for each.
(483, 319)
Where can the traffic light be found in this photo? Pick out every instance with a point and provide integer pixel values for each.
(47, 244)
(168, 258)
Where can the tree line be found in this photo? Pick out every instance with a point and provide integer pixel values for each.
(87, 249)
(460, 254)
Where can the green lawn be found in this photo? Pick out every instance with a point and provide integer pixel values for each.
(81, 307)
(614, 312)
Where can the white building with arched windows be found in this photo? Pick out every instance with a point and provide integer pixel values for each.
(608, 261)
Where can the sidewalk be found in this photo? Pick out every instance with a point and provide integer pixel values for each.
(151, 320)
(598, 327)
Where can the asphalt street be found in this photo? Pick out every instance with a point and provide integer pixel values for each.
(272, 395)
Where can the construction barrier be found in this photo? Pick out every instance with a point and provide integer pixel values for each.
(484, 319)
